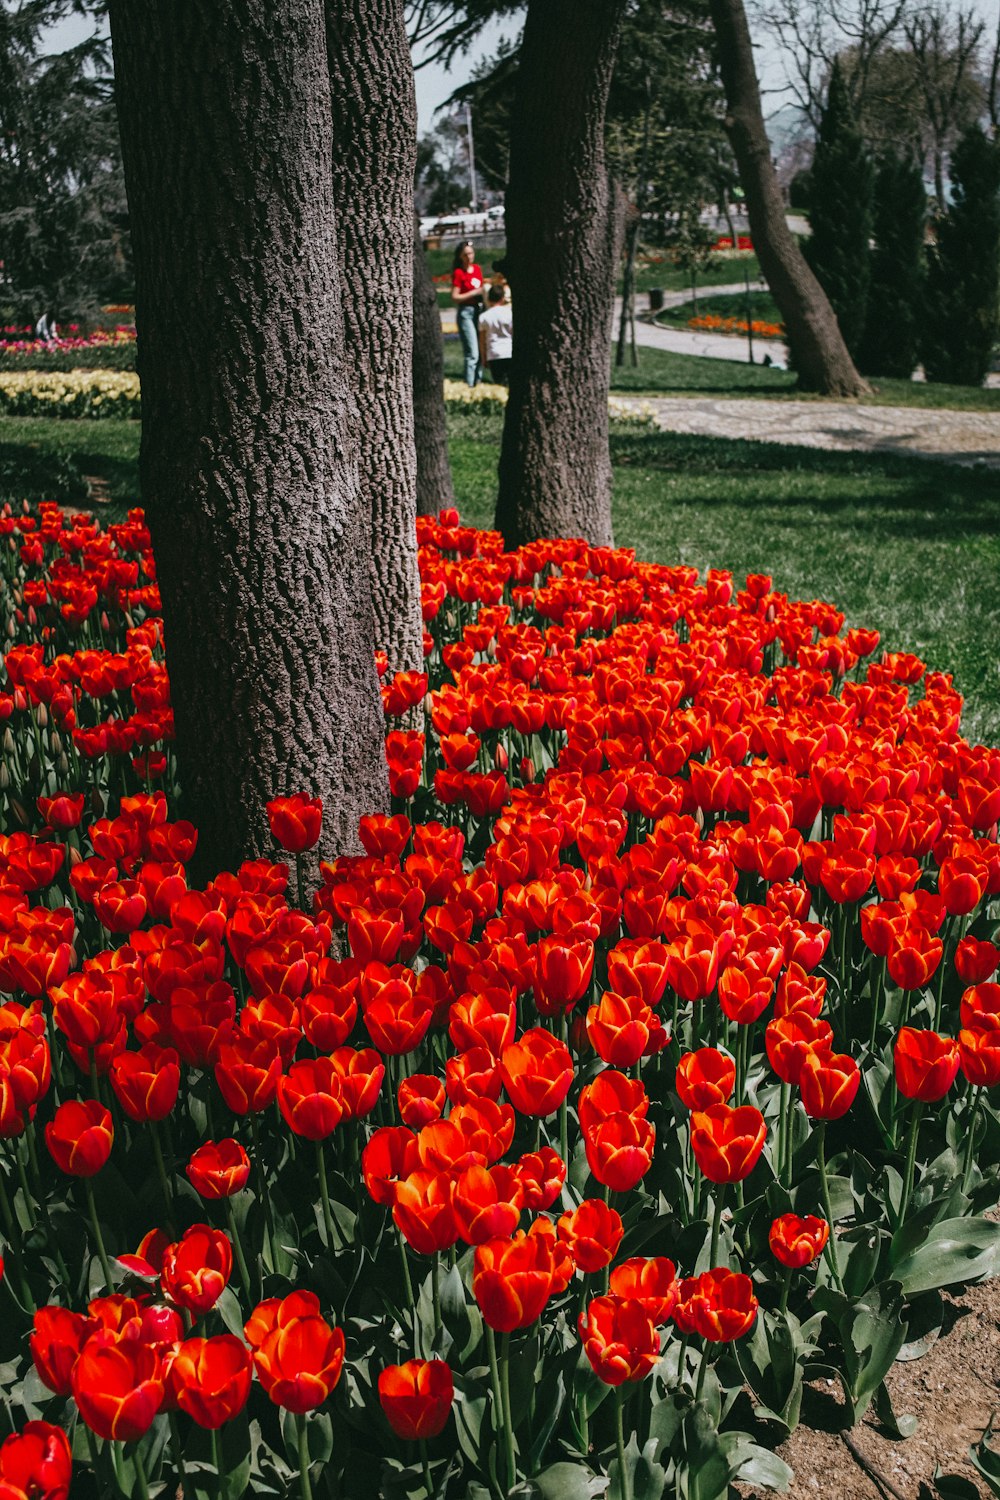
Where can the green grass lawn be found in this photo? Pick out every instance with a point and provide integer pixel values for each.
(909, 546)
(730, 305)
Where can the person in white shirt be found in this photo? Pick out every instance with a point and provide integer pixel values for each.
(496, 335)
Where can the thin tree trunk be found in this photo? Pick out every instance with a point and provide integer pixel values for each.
(818, 350)
(563, 233)
(434, 485)
(375, 135)
(247, 468)
(628, 287)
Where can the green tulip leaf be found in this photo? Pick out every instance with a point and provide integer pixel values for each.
(954, 1251)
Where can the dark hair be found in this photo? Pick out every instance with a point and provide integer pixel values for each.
(457, 258)
(496, 292)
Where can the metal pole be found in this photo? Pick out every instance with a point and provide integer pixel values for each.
(749, 307)
(472, 159)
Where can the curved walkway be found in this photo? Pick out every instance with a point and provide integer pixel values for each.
(963, 437)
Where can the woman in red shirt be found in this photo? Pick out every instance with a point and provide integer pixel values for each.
(467, 295)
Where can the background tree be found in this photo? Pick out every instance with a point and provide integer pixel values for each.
(841, 213)
(818, 349)
(247, 466)
(896, 288)
(944, 46)
(562, 250)
(434, 483)
(64, 239)
(961, 306)
(374, 115)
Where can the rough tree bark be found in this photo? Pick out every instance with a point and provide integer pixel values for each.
(247, 467)
(434, 483)
(818, 350)
(563, 235)
(375, 133)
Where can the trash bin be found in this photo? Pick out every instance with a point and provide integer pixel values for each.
(656, 299)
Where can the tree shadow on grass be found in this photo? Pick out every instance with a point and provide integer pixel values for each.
(926, 499)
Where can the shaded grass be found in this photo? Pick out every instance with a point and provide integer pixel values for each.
(907, 546)
(46, 458)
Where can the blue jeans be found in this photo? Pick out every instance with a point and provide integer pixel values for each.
(468, 332)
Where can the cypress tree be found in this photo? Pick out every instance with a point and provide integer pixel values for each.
(896, 288)
(841, 214)
(963, 281)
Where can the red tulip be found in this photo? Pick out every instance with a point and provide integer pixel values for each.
(727, 1143)
(55, 1342)
(652, 1283)
(146, 1083)
(118, 1386)
(619, 1339)
(416, 1397)
(196, 1269)
(79, 1137)
(925, 1063)
(592, 1233)
(795, 1242)
(310, 1097)
(705, 1077)
(296, 822)
(828, 1081)
(620, 1150)
(719, 1305)
(209, 1379)
(297, 1355)
(513, 1279)
(36, 1462)
(219, 1169)
(537, 1072)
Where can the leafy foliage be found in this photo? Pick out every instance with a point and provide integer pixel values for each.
(961, 307)
(897, 271)
(841, 197)
(64, 240)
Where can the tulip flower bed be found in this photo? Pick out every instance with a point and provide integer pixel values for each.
(640, 1067)
(69, 393)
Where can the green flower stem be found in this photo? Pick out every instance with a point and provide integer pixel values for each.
(911, 1160)
(177, 1448)
(258, 1167)
(408, 1283)
(43, 1207)
(970, 1140)
(88, 1188)
(625, 1478)
(784, 1135)
(720, 1195)
(238, 1247)
(702, 1371)
(508, 1424)
(786, 1287)
(824, 1187)
(325, 1195)
(140, 1474)
(878, 996)
(498, 1421)
(425, 1464)
(436, 1293)
(161, 1172)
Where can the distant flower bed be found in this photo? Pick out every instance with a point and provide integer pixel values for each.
(457, 393)
(713, 323)
(69, 393)
(23, 341)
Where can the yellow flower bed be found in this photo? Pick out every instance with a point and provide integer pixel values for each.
(69, 393)
(619, 407)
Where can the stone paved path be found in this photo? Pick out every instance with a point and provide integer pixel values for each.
(965, 437)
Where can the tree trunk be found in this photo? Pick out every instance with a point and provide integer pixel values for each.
(818, 350)
(246, 466)
(563, 233)
(375, 131)
(434, 486)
